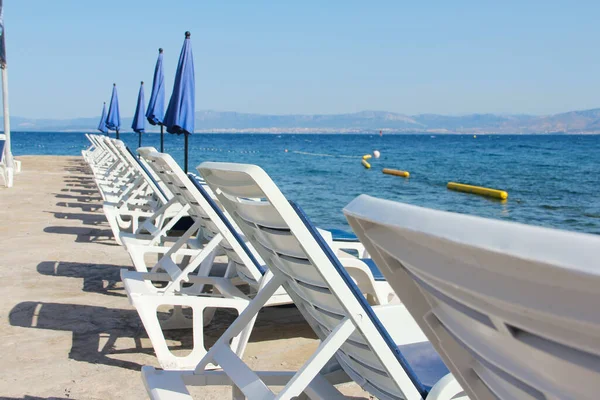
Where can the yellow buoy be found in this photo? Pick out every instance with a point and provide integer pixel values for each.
(482, 191)
(367, 156)
(365, 164)
(397, 172)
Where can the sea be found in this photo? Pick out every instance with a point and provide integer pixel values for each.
(551, 180)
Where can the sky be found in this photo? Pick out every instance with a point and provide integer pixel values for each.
(308, 57)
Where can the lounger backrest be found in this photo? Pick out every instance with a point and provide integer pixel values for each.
(111, 146)
(100, 142)
(137, 164)
(188, 190)
(2, 142)
(513, 307)
(313, 277)
(143, 151)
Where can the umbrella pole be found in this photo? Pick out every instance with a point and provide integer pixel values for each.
(186, 153)
(117, 134)
(162, 139)
(7, 151)
(139, 139)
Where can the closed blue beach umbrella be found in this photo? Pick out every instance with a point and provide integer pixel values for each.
(113, 120)
(179, 118)
(156, 105)
(102, 124)
(139, 122)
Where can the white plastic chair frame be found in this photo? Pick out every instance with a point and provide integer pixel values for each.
(219, 236)
(512, 308)
(352, 335)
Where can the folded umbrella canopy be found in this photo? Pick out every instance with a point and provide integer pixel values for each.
(156, 106)
(102, 124)
(113, 121)
(139, 122)
(179, 118)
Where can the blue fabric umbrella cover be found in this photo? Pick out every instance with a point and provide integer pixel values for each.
(180, 112)
(139, 121)
(113, 120)
(102, 124)
(156, 106)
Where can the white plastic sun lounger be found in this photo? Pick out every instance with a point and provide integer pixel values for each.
(134, 200)
(94, 152)
(155, 228)
(512, 307)
(146, 206)
(107, 166)
(215, 234)
(220, 235)
(379, 347)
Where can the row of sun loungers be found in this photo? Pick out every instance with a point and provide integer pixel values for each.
(427, 305)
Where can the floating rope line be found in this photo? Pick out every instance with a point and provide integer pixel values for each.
(323, 154)
(227, 151)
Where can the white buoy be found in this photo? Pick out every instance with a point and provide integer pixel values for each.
(376, 154)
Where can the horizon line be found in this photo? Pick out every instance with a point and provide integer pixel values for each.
(343, 113)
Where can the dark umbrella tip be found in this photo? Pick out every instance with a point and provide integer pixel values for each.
(114, 84)
(142, 82)
(160, 50)
(187, 34)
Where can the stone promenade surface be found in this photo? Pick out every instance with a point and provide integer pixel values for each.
(67, 330)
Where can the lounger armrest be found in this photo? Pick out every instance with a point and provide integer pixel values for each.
(338, 247)
(362, 275)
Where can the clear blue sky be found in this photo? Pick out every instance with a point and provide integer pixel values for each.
(449, 57)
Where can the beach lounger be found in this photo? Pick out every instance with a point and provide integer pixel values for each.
(154, 230)
(215, 235)
(379, 347)
(143, 205)
(220, 235)
(95, 152)
(102, 161)
(512, 308)
(134, 200)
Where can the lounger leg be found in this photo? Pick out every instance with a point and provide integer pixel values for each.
(165, 357)
(148, 314)
(114, 226)
(124, 225)
(247, 315)
(244, 336)
(318, 360)
(177, 320)
(154, 331)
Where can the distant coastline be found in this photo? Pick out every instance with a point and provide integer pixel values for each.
(365, 122)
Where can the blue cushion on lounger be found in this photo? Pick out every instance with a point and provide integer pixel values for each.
(2, 142)
(425, 362)
(342, 236)
(374, 270)
(225, 220)
(428, 363)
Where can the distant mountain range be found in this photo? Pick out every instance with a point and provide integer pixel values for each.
(587, 121)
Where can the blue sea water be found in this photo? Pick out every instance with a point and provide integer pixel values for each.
(552, 180)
